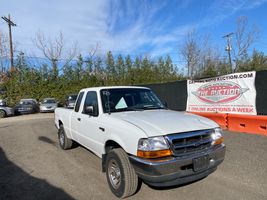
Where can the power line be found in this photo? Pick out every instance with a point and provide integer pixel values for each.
(10, 23)
(132, 58)
(229, 47)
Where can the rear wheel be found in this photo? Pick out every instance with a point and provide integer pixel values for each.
(2, 114)
(121, 176)
(64, 142)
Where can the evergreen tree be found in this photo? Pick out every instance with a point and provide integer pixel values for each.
(68, 73)
(110, 66)
(130, 78)
(100, 74)
(54, 69)
(160, 69)
(223, 68)
(120, 69)
(79, 68)
(44, 72)
(169, 69)
(21, 67)
(89, 66)
(257, 62)
(145, 75)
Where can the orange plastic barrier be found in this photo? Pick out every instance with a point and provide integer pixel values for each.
(219, 118)
(255, 124)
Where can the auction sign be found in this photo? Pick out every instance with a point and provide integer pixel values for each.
(232, 93)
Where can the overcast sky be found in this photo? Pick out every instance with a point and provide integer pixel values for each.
(135, 27)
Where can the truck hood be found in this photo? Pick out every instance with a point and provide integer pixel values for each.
(162, 122)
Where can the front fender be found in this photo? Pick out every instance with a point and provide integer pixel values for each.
(117, 139)
(123, 133)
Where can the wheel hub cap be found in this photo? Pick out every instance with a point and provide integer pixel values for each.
(114, 174)
(61, 138)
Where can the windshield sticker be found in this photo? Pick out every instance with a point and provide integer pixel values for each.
(121, 104)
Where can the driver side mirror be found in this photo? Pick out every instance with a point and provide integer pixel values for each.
(165, 104)
(89, 110)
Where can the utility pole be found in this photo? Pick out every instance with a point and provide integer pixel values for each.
(10, 23)
(229, 48)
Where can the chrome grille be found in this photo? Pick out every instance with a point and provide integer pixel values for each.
(189, 142)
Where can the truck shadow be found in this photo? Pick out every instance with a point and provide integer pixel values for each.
(18, 184)
(50, 141)
(4, 126)
(173, 187)
(47, 140)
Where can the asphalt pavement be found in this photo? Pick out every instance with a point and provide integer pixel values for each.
(32, 166)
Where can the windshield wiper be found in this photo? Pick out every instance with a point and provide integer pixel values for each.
(126, 109)
(133, 108)
(152, 107)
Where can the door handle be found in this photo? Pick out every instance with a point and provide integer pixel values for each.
(79, 119)
(102, 129)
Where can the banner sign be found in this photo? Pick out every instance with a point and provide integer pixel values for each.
(232, 93)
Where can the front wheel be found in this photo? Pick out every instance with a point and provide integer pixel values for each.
(64, 142)
(121, 176)
(2, 114)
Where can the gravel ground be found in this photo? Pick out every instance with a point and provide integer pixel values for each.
(32, 166)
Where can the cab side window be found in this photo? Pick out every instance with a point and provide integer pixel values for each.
(78, 103)
(91, 100)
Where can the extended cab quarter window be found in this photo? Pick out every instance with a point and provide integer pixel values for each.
(91, 100)
(78, 103)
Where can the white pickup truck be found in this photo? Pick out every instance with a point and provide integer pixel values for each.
(138, 138)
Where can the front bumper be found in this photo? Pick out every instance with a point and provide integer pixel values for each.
(25, 111)
(47, 109)
(176, 170)
(10, 112)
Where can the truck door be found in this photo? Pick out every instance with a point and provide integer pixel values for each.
(90, 128)
(76, 118)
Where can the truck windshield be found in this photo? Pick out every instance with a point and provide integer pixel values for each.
(129, 99)
(26, 102)
(48, 101)
(3, 103)
(72, 97)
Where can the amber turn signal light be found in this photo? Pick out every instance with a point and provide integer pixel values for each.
(154, 154)
(218, 141)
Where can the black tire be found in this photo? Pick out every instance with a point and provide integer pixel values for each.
(2, 114)
(121, 176)
(64, 142)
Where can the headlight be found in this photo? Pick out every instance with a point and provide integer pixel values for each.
(154, 147)
(217, 137)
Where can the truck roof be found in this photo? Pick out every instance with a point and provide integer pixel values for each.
(113, 87)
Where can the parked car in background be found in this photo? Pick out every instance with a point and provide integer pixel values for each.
(5, 110)
(27, 106)
(48, 105)
(70, 100)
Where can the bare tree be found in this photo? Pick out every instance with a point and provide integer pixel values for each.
(191, 53)
(93, 62)
(3, 53)
(245, 36)
(202, 58)
(93, 50)
(3, 46)
(54, 50)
